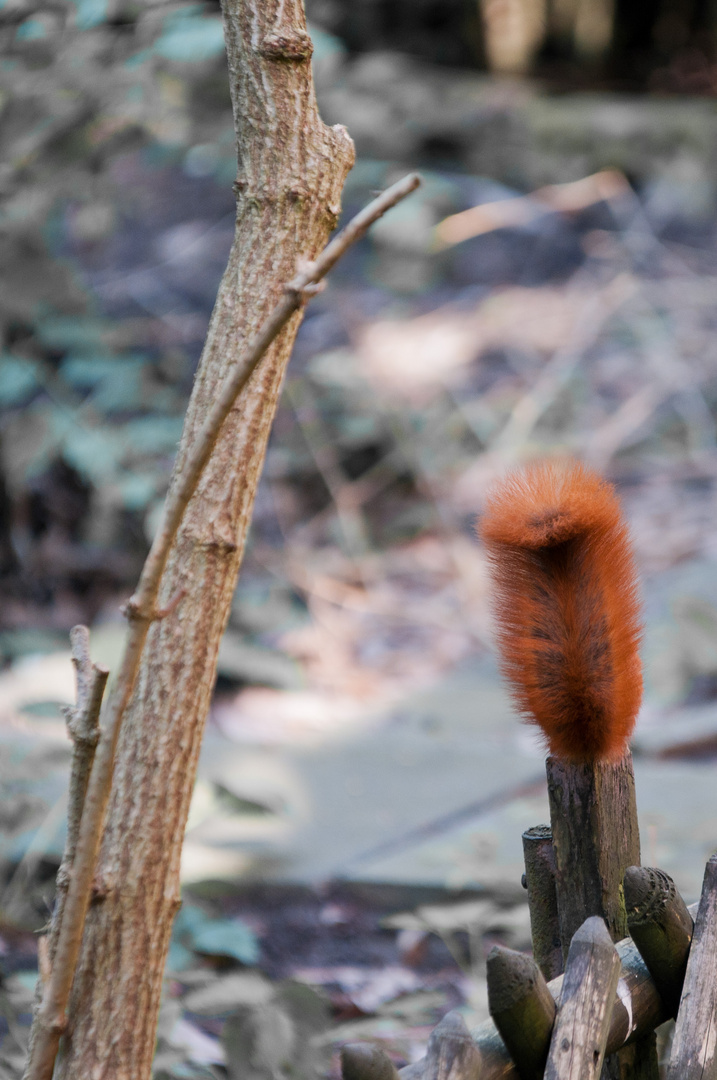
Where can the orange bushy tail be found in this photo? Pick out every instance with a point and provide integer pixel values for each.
(566, 607)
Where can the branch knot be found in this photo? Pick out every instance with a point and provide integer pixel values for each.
(133, 610)
(294, 46)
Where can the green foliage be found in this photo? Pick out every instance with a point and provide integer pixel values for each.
(81, 88)
(196, 930)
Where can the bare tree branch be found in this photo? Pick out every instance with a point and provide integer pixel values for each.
(141, 610)
(83, 725)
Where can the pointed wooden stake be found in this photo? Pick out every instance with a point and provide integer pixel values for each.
(522, 1007)
(577, 1047)
(661, 927)
(694, 1047)
(359, 1061)
(451, 1053)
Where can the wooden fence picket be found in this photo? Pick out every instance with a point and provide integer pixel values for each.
(661, 926)
(582, 1025)
(694, 1047)
(359, 1061)
(539, 857)
(522, 1008)
(451, 1052)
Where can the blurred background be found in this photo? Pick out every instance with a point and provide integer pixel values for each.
(354, 842)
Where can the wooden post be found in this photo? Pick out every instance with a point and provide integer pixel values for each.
(542, 899)
(522, 1008)
(581, 1030)
(694, 1047)
(359, 1061)
(595, 838)
(451, 1052)
(661, 927)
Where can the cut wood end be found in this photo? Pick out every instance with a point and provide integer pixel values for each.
(359, 1061)
(511, 976)
(637, 886)
(648, 891)
(538, 832)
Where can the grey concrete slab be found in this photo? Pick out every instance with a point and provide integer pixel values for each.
(677, 811)
(440, 792)
(443, 756)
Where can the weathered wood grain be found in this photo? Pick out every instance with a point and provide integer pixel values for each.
(292, 170)
(593, 816)
(522, 1008)
(639, 1009)
(694, 1047)
(661, 927)
(542, 899)
(360, 1061)
(595, 838)
(582, 1025)
(451, 1053)
(638, 1061)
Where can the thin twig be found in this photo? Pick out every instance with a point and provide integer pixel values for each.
(141, 611)
(83, 725)
(528, 410)
(608, 184)
(349, 514)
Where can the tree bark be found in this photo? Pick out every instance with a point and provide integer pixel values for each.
(291, 173)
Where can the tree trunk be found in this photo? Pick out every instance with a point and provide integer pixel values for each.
(291, 173)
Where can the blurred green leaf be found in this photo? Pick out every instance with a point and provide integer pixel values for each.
(93, 452)
(179, 957)
(31, 30)
(137, 490)
(195, 928)
(153, 434)
(71, 333)
(19, 379)
(190, 36)
(227, 937)
(117, 380)
(89, 13)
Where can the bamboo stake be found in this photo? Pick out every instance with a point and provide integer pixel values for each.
(661, 927)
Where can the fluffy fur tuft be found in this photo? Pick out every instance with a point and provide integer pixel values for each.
(566, 607)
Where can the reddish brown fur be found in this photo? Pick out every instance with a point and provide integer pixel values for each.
(566, 607)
